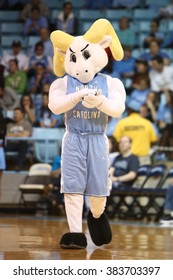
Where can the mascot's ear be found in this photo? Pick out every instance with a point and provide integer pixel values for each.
(105, 42)
(98, 30)
(61, 41)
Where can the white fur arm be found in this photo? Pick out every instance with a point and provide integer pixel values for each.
(61, 102)
(114, 104)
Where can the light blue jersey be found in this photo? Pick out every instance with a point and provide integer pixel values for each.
(81, 119)
(85, 162)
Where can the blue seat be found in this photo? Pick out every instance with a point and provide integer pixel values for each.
(6, 16)
(48, 144)
(11, 28)
(54, 4)
(32, 40)
(143, 14)
(90, 14)
(78, 4)
(117, 14)
(154, 178)
(157, 4)
(6, 40)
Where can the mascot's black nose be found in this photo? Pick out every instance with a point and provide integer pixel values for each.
(86, 71)
(77, 74)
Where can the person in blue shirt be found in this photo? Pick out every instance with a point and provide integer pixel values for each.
(33, 24)
(141, 90)
(164, 119)
(155, 50)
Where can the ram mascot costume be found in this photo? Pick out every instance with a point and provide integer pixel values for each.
(87, 98)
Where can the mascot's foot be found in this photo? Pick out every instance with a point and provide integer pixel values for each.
(73, 240)
(99, 229)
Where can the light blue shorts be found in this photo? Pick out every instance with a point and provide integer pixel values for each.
(85, 164)
(2, 159)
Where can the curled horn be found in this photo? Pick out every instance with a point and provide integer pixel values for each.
(98, 30)
(61, 41)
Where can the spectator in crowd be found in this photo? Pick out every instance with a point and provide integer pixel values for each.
(19, 128)
(164, 120)
(33, 24)
(113, 148)
(161, 75)
(27, 107)
(167, 218)
(66, 20)
(46, 117)
(125, 34)
(125, 4)
(8, 98)
(39, 57)
(141, 90)
(154, 34)
(111, 125)
(16, 79)
(16, 53)
(41, 77)
(2, 138)
(154, 50)
(141, 69)
(125, 166)
(152, 103)
(56, 181)
(108, 70)
(139, 130)
(145, 112)
(126, 66)
(168, 41)
(45, 39)
(167, 11)
(27, 10)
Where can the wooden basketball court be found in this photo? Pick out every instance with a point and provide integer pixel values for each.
(37, 238)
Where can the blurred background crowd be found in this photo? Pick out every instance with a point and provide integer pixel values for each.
(145, 29)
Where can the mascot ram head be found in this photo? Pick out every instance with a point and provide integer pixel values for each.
(82, 57)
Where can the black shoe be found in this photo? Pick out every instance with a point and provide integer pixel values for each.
(73, 240)
(99, 229)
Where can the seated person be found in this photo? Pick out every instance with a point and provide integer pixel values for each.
(46, 117)
(56, 181)
(124, 168)
(19, 128)
(141, 89)
(36, 21)
(167, 218)
(16, 79)
(113, 148)
(2, 138)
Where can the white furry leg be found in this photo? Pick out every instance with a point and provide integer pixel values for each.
(97, 205)
(74, 209)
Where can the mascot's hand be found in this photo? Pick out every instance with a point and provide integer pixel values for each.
(92, 101)
(78, 96)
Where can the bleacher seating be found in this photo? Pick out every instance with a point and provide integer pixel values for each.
(149, 189)
(8, 16)
(11, 28)
(117, 14)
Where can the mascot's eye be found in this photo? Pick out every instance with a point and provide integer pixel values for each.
(73, 57)
(86, 54)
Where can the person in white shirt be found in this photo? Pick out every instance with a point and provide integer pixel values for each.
(161, 76)
(16, 53)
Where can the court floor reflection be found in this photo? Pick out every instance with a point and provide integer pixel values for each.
(31, 238)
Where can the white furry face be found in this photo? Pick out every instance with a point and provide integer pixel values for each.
(84, 60)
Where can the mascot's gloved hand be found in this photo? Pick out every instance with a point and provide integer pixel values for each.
(78, 96)
(92, 101)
